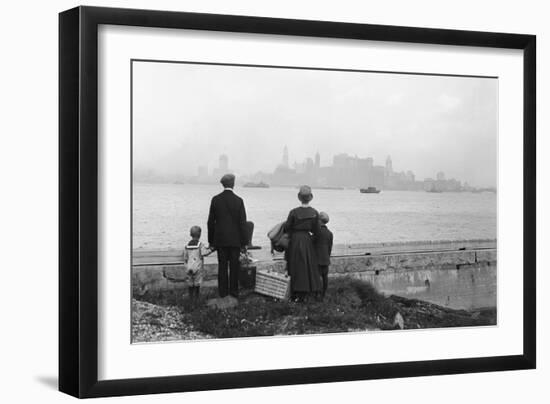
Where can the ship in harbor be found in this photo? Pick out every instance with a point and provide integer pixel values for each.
(369, 190)
(260, 184)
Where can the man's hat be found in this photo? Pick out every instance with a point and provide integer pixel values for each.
(228, 180)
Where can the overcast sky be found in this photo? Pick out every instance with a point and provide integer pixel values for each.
(187, 115)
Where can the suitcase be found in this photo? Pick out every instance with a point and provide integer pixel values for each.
(247, 276)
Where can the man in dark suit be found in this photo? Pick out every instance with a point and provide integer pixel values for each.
(323, 245)
(227, 233)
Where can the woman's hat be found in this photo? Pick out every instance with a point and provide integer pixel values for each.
(305, 194)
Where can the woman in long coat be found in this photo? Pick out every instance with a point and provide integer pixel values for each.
(302, 226)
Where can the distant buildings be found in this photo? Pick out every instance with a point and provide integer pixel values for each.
(205, 177)
(224, 162)
(285, 157)
(345, 171)
(389, 168)
(351, 172)
(223, 167)
(440, 184)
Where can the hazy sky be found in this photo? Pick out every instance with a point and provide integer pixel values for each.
(187, 115)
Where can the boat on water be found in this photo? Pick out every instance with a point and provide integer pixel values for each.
(369, 190)
(483, 190)
(434, 191)
(260, 184)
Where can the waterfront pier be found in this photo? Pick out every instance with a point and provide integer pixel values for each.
(459, 274)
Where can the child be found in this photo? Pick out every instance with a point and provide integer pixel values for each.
(193, 257)
(323, 246)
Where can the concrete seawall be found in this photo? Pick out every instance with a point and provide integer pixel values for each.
(458, 274)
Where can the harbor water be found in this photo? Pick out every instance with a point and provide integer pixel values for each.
(163, 214)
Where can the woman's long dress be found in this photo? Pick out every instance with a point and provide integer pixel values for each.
(303, 225)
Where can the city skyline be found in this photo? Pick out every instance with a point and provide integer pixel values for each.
(210, 173)
(214, 169)
(185, 116)
(345, 171)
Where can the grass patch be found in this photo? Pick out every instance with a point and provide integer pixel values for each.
(350, 305)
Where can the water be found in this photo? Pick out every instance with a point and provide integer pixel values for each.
(163, 214)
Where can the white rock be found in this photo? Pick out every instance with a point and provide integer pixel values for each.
(398, 320)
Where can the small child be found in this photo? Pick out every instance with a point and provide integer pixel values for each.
(323, 245)
(193, 257)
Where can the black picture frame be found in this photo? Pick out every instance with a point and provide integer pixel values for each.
(78, 200)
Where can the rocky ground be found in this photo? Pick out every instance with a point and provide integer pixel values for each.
(350, 305)
(160, 323)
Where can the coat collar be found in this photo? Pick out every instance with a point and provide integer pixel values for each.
(193, 246)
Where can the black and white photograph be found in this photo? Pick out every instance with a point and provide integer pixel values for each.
(273, 201)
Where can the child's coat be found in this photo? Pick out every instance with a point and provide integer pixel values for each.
(193, 257)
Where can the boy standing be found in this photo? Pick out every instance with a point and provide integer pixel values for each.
(193, 257)
(323, 245)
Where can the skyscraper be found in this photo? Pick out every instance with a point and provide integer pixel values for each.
(317, 160)
(285, 157)
(224, 162)
(389, 168)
